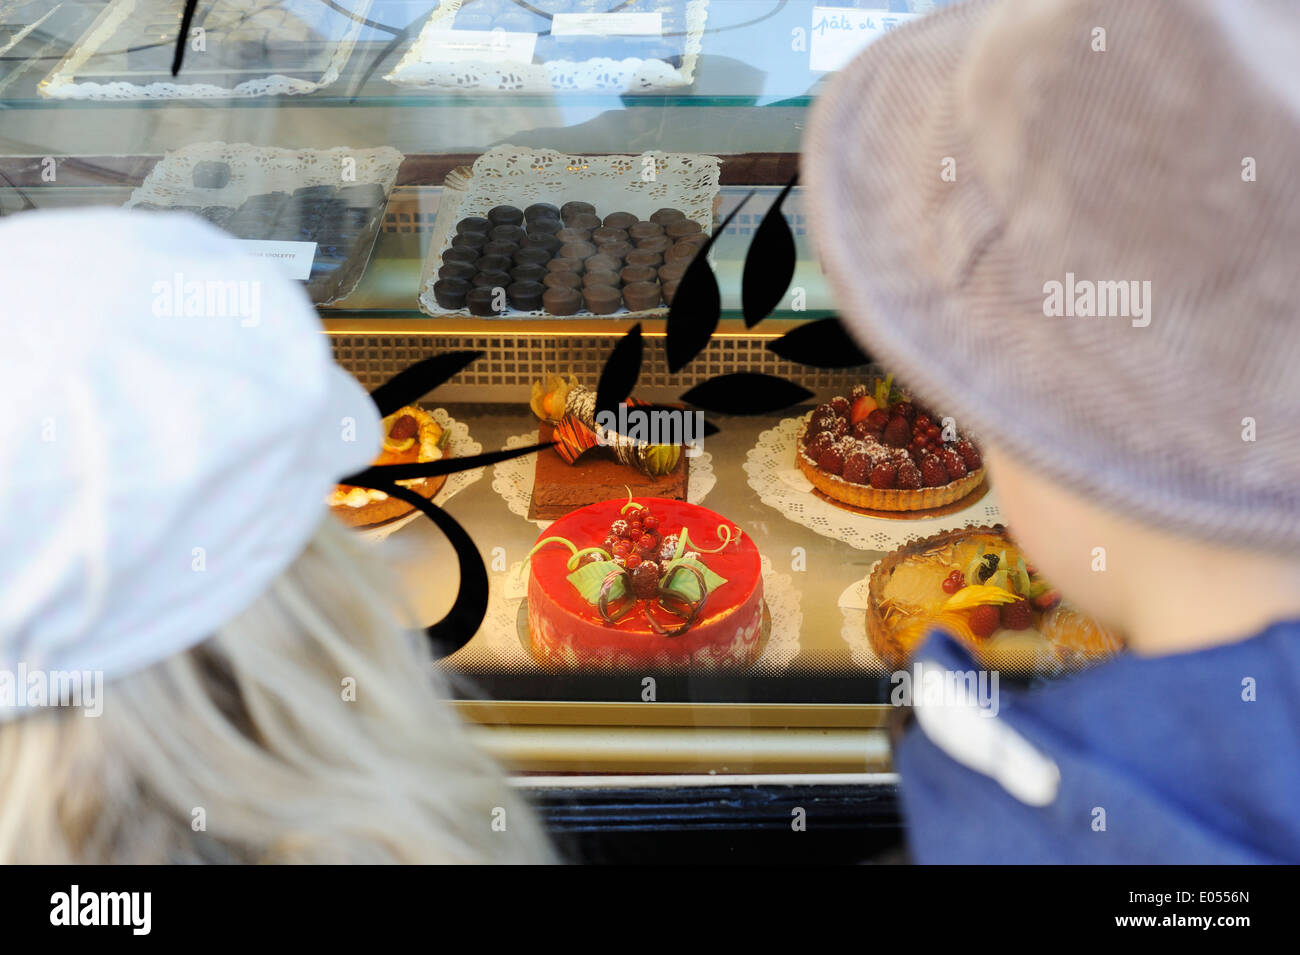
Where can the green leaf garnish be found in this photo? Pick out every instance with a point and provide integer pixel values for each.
(685, 585)
(589, 578)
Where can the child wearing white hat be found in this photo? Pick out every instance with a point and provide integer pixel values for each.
(197, 664)
(1074, 223)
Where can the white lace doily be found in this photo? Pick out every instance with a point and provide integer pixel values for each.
(461, 445)
(499, 637)
(772, 472)
(853, 610)
(420, 66)
(260, 169)
(513, 479)
(62, 83)
(518, 176)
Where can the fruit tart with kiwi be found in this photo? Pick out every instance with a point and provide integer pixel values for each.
(977, 585)
(411, 436)
(876, 448)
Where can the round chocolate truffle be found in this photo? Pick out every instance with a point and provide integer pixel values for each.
(461, 254)
(456, 270)
(637, 273)
(617, 249)
(571, 210)
(673, 271)
(657, 243)
(670, 290)
(588, 221)
(525, 296)
(681, 252)
(541, 241)
(450, 293)
(665, 216)
(508, 233)
(643, 257)
(541, 210)
(544, 226)
(529, 273)
(494, 263)
(562, 280)
(577, 250)
(505, 215)
(500, 247)
(682, 227)
(601, 299)
(641, 295)
(493, 279)
(469, 240)
(644, 230)
(561, 301)
(473, 224)
(482, 301)
(619, 220)
(561, 264)
(600, 278)
(532, 257)
(602, 262)
(608, 235)
(568, 235)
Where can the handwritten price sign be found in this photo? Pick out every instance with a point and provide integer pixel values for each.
(839, 34)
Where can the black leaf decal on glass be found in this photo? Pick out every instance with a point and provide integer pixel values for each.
(769, 263)
(187, 17)
(466, 615)
(746, 393)
(697, 306)
(622, 368)
(411, 384)
(821, 344)
(377, 475)
(710, 428)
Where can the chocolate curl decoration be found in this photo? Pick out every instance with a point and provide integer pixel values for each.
(688, 612)
(602, 604)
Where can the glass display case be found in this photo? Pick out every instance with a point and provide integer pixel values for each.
(373, 145)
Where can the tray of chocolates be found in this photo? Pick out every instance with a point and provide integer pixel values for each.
(281, 195)
(565, 260)
(248, 48)
(556, 45)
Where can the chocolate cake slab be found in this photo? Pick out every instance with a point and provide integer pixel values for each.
(559, 488)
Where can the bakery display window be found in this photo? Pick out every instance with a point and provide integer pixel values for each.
(737, 521)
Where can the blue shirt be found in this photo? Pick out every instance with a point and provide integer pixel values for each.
(1184, 766)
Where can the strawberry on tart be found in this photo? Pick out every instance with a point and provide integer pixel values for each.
(644, 582)
(411, 436)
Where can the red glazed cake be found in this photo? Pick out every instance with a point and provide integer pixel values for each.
(615, 585)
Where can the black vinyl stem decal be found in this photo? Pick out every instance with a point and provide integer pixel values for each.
(466, 615)
(187, 17)
(411, 384)
(824, 343)
(386, 473)
(746, 393)
(697, 306)
(769, 263)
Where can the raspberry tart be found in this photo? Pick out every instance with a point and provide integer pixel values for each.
(976, 585)
(645, 582)
(879, 450)
(411, 436)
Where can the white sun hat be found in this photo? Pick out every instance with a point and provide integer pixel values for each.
(171, 421)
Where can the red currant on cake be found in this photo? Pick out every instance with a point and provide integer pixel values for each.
(622, 547)
(650, 522)
(954, 582)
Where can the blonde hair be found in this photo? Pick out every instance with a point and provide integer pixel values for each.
(251, 734)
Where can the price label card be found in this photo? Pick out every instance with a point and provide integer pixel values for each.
(494, 46)
(839, 34)
(607, 24)
(294, 257)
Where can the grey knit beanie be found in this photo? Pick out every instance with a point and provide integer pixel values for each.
(1075, 224)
